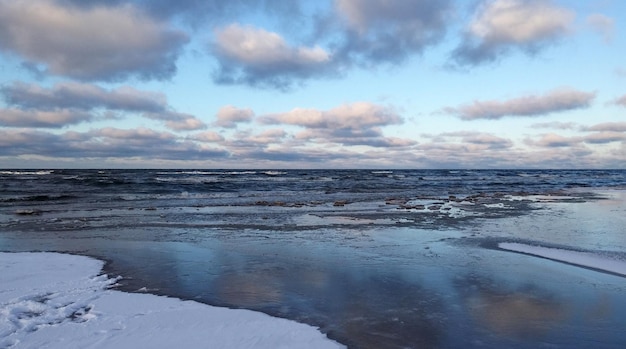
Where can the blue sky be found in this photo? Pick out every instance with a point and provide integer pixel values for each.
(302, 84)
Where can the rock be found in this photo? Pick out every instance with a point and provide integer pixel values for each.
(27, 212)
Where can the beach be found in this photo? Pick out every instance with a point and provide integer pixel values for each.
(459, 263)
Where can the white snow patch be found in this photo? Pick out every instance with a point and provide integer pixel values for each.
(59, 301)
(584, 259)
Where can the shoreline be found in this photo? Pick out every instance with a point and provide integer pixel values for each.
(71, 303)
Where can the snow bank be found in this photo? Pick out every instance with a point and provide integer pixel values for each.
(584, 259)
(59, 301)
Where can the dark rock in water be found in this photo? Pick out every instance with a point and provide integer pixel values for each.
(340, 203)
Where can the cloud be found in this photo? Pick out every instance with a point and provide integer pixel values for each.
(71, 103)
(354, 33)
(229, 116)
(608, 127)
(603, 25)
(556, 125)
(552, 140)
(207, 137)
(558, 100)
(271, 136)
(198, 13)
(177, 121)
(256, 57)
(621, 101)
(105, 143)
(349, 124)
(502, 25)
(74, 95)
(106, 43)
(480, 138)
(49, 119)
(378, 31)
(355, 116)
(605, 137)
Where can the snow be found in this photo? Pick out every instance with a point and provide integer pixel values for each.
(584, 259)
(51, 300)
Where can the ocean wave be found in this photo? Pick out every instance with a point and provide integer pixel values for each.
(27, 173)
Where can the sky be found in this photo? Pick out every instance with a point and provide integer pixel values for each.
(312, 84)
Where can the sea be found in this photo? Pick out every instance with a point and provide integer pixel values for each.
(374, 258)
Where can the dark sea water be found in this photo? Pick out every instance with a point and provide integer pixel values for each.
(376, 259)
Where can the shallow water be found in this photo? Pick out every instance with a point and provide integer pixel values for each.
(370, 273)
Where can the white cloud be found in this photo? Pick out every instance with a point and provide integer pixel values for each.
(207, 137)
(501, 25)
(89, 43)
(357, 123)
(520, 22)
(558, 100)
(229, 116)
(255, 56)
(355, 116)
(258, 47)
(552, 140)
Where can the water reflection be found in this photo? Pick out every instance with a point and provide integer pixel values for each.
(248, 290)
(395, 288)
(515, 314)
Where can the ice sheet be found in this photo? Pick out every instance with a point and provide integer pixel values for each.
(59, 301)
(584, 259)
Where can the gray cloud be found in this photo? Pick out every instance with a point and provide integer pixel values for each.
(556, 125)
(500, 26)
(82, 96)
(203, 12)
(376, 31)
(607, 127)
(48, 119)
(621, 101)
(106, 43)
(71, 103)
(605, 137)
(603, 25)
(555, 101)
(105, 143)
(356, 33)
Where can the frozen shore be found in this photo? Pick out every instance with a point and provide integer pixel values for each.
(583, 259)
(56, 300)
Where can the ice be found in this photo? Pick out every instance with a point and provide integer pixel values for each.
(59, 301)
(584, 259)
